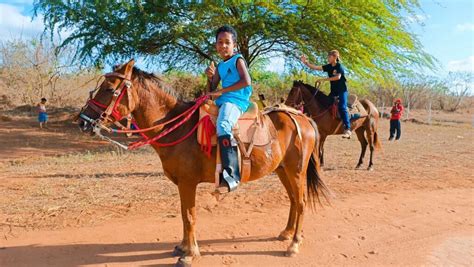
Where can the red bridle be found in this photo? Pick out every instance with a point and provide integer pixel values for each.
(109, 113)
(110, 110)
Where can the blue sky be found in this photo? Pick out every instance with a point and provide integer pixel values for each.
(445, 29)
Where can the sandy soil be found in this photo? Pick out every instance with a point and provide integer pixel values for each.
(68, 200)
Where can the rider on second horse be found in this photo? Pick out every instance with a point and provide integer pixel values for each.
(233, 101)
(338, 86)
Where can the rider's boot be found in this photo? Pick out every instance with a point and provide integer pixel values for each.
(230, 177)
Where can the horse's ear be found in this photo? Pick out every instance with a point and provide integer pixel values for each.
(125, 68)
(129, 67)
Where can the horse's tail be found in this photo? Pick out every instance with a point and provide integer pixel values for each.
(315, 185)
(374, 117)
(377, 143)
(374, 125)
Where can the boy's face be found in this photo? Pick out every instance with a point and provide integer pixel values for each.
(332, 59)
(225, 45)
(43, 101)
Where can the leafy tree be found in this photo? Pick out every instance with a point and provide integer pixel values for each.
(372, 35)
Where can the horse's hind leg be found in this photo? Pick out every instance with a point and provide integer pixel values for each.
(321, 149)
(289, 231)
(363, 144)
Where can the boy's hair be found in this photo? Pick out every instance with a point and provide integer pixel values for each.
(229, 29)
(336, 54)
(43, 99)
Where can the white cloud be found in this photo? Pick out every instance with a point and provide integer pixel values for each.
(466, 64)
(13, 24)
(465, 27)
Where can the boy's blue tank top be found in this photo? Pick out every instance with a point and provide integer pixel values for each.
(229, 76)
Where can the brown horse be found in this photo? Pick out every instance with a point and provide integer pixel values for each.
(318, 105)
(293, 155)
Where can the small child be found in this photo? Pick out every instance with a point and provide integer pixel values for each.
(42, 115)
(395, 126)
(233, 100)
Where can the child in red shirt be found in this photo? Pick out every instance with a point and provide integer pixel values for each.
(395, 126)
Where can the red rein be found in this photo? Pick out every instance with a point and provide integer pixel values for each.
(208, 127)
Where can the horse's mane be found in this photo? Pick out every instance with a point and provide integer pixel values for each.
(320, 96)
(149, 80)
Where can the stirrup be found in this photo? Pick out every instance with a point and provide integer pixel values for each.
(227, 184)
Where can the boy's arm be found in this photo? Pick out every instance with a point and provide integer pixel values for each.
(212, 84)
(333, 78)
(313, 67)
(393, 110)
(339, 73)
(244, 79)
(213, 77)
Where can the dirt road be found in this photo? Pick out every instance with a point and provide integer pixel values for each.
(80, 208)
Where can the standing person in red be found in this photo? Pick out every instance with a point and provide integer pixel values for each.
(395, 125)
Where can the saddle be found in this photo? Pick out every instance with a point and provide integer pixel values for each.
(354, 107)
(252, 126)
(252, 129)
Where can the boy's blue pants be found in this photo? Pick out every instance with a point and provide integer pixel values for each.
(342, 107)
(229, 114)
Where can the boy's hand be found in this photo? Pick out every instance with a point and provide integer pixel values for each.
(304, 59)
(211, 71)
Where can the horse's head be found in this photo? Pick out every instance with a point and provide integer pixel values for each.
(114, 100)
(301, 95)
(295, 97)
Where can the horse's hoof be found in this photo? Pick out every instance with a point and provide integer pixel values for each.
(293, 249)
(358, 167)
(184, 262)
(370, 168)
(177, 252)
(285, 235)
(291, 252)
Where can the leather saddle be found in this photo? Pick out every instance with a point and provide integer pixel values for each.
(252, 129)
(354, 107)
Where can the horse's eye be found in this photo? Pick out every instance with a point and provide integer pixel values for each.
(111, 90)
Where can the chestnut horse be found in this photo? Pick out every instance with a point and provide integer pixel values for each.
(318, 105)
(293, 155)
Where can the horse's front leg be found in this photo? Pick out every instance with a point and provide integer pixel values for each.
(363, 145)
(188, 247)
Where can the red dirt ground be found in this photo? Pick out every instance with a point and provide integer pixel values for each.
(64, 202)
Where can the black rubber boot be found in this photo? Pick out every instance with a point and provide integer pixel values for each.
(230, 163)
